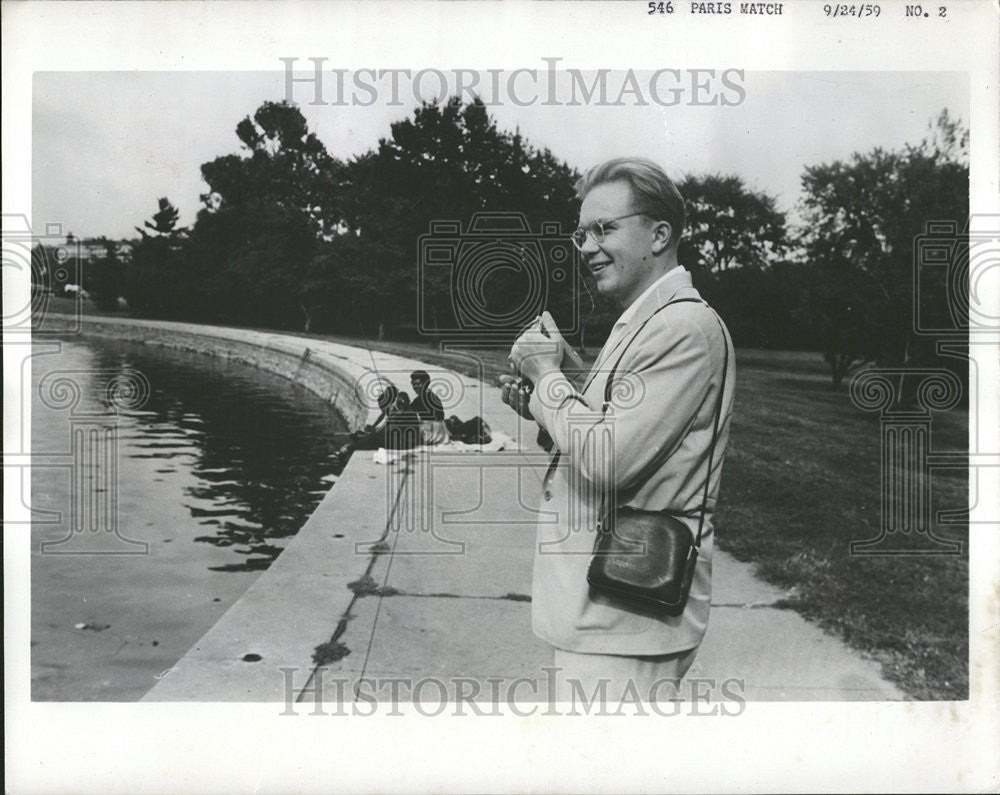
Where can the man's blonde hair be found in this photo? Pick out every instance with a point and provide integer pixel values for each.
(653, 192)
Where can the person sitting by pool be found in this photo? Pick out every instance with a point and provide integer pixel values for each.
(386, 400)
(428, 408)
(396, 428)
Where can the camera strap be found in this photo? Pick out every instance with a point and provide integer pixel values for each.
(718, 406)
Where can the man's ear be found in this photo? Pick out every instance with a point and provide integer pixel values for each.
(663, 236)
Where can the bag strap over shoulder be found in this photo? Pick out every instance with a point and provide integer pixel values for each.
(618, 361)
(718, 407)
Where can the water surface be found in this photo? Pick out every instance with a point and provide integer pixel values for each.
(218, 465)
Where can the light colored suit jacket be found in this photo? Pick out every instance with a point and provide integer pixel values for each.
(650, 450)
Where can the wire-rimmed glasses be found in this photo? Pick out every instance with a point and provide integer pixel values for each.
(596, 230)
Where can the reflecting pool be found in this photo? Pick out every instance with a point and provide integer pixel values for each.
(163, 483)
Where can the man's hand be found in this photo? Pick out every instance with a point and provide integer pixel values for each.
(539, 350)
(571, 365)
(571, 361)
(516, 394)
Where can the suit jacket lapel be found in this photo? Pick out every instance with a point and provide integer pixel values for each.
(664, 294)
(614, 341)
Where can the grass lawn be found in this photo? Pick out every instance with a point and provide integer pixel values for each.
(801, 481)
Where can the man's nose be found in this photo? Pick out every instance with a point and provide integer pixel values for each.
(590, 248)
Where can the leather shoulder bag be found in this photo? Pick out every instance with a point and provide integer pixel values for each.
(647, 558)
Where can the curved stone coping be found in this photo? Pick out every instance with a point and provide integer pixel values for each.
(348, 377)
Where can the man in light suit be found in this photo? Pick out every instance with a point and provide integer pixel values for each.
(649, 447)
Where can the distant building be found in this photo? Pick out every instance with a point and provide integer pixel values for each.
(92, 248)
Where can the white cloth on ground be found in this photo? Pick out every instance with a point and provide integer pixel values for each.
(500, 441)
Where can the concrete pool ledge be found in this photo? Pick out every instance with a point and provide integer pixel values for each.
(293, 606)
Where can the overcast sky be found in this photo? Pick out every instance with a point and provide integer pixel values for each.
(106, 145)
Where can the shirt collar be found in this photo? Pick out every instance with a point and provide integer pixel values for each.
(629, 313)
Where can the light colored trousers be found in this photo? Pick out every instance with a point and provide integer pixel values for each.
(433, 431)
(647, 678)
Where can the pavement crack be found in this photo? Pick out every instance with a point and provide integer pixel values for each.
(509, 597)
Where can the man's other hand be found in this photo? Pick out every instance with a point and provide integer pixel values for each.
(539, 350)
(572, 365)
(515, 394)
(571, 361)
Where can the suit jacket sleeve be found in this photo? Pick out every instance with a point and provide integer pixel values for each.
(660, 387)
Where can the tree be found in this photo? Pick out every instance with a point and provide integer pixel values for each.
(105, 277)
(287, 234)
(842, 308)
(263, 219)
(729, 226)
(733, 239)
(157, 282)
(448, 163)
(163, 223)
(861, 219)
(762, 308)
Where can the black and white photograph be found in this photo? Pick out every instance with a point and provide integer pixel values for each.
(416, 388)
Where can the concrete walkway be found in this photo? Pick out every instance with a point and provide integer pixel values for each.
(416, 578)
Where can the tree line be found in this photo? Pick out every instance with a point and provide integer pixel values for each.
(290, 237)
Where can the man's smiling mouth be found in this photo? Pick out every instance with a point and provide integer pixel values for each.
(598, 266)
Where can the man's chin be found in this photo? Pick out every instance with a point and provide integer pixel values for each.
(603, 282)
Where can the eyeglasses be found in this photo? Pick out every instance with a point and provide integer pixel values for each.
(596, 230)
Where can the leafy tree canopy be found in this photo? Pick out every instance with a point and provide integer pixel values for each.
(729, 225)
(862, 218)
(164, 221)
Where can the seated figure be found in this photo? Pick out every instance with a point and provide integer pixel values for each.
(428, 408)
(396, 428)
